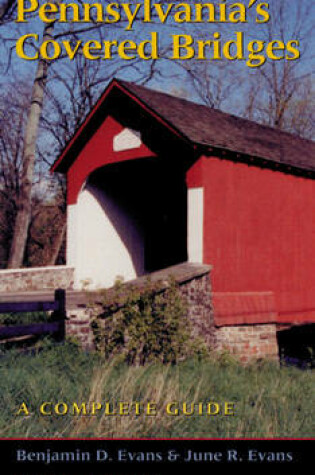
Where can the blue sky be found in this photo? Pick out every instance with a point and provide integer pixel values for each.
(170, 78)
(26, 68)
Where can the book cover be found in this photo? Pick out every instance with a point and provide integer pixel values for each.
(157, 234)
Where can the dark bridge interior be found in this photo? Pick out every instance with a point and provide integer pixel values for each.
(155, 196)
(297, 346)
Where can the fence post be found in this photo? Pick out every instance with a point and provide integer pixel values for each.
(60, 314)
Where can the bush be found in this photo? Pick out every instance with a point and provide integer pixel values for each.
(146, 325)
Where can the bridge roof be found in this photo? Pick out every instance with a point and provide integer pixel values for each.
(203, 127)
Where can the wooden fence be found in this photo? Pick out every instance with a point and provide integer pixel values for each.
(55, 327)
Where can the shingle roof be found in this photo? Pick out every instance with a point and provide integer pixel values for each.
(214, 128)
(210, 129)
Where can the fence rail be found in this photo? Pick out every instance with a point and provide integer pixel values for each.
(56, 327)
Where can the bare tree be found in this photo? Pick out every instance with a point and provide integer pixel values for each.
(299, 115)
(213, 85)
(13, 116)
(12, 119)
(68, 122)
(274, 89)
(7, 9)
(30, 138)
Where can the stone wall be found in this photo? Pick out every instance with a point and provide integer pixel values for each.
(248, 342)
(242, 324)
(245, 324)
(194, 285)
(36, 278)
(197, 294)
(78, 327)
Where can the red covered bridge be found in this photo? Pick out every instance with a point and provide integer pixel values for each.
(155, 180)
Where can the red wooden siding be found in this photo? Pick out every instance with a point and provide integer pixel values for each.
(99, 152)
(259, 233)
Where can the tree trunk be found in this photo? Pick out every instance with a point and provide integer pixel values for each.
(30, 138)
(57, 245)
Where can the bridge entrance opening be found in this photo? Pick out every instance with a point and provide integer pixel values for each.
(132, 220)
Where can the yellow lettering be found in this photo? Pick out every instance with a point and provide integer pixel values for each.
(50, 50)
(186, 411)
(99, 12)
(172, 409)
(147, 11)
(96, 406)
(184, 13)
(222, 8)
(151, 409)
(213, 408)
(20, 47)
(79, 409)
(152, 46)
(265, 15)
(46, 11)
(23, 410)
(199, 8)
(61, 408)
(182, 47)
(238, 44)
(275, 46)
(74, 9)
(108, 45)
(201, 47)
(91, 46)
(109, 410)
(124, 46)
(131, 15)
(71, 52)
(255, 59)
(229, 408)
(124, 409)
(163, 15)
(112, 12)
(21, 10)
(239, 15)
(42, 408)
(292, 47)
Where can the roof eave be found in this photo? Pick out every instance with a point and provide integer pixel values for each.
(263, 162)
(59, 165)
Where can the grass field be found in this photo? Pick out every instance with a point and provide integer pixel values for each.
(269, 401)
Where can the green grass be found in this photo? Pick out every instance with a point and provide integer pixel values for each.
(269, 401)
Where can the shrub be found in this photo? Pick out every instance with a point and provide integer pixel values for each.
(146, 325)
